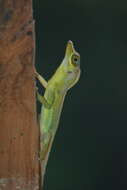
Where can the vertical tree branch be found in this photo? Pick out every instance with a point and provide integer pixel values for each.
(19, 167)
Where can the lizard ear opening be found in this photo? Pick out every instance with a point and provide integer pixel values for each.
(69, 48)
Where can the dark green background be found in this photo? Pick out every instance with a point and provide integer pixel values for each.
(90, 148)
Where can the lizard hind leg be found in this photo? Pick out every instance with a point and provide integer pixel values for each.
(45, 148)
(43, 101)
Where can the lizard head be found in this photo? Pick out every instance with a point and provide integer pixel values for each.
(68, 73)
(72, 65)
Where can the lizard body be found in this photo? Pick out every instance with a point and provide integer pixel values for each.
(64, 78)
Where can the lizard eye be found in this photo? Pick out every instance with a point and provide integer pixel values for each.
(75, 59)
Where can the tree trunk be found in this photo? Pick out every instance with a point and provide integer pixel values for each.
(19, 137)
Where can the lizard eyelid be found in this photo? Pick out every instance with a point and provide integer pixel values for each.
(75, 60)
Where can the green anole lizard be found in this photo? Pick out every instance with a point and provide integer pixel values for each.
(64, 78)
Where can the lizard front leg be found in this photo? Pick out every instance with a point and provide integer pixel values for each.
(41, 79)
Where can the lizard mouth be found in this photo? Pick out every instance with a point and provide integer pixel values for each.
(69, 72)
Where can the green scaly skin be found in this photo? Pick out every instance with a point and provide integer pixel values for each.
(64, 78)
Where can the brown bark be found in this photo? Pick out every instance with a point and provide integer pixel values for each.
(19, 167)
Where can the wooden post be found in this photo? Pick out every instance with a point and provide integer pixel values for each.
(19, 141)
